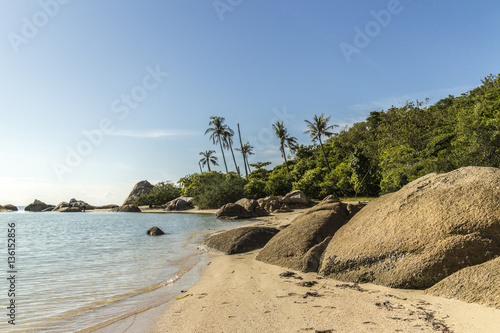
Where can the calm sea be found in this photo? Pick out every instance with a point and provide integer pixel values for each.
(79, 270)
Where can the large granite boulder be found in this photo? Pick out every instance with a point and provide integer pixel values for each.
(128, 209)
(295, 199)
(241, 240)
(428, 230)
(8, 208)
(478, 284)
(179, 204)
(141, 187)
(232, 211)
(70, 210)
(60, 206)
(270, 204)
(252, 206)
(37, 206)
(300, 245)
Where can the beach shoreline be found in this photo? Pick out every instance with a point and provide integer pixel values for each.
(237, 293)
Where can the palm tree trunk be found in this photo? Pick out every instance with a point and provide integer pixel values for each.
(234, 159)
(201, 170)
(286, 162)
(324, 155)
(222, 150)
(245, 162)
(208, 164)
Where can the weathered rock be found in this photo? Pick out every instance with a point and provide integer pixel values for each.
(301, 244)
(354, 208)
(252, 206)
(179, 204)
(70, 210)
(8, 208)
(330, 199)
(413, 238)
(141, 187)
(295, 199)
(61, 205)
(241, 240)
(128, 209)
(232, 211)
(270, 204)
(155, 231)
(49, 209)
(478, 284)
(110, 206)
(36, 206)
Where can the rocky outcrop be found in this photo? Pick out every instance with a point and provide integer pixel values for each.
(73, 206)
(252, 206)
(37, 206)
(300, 245)
(232, 211)
(8, 208)
(295, 199)
(70, 210)
(128, 209)
(179, 204)
(141, 187)
(330, 199)
(110, 206)
(155, 231)
(478, 284)
(292, 200)
(241, 240)
(428, 230)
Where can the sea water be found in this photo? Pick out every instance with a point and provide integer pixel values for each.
(75, 271)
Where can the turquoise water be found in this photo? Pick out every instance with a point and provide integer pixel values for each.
(77, 270)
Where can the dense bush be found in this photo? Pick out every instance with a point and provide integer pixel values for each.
(213, 189)
(160, 194)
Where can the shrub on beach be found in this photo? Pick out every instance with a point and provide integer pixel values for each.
(160, 194)
(213, 189)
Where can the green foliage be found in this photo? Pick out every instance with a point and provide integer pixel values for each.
(160, 194)
(310, 183)
(213, 189)
(278, 182)
(255, 188)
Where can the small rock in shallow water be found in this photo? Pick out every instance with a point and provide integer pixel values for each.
(155, 231)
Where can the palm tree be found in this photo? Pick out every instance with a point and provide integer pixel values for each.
(228, 139)
(318, 127)
(208, 158)
(258, 165)
(285, 140)
(219, 132)
(246, 150)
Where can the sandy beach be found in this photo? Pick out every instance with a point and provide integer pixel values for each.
(237, 293)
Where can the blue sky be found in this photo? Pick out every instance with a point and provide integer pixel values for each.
(98, 95)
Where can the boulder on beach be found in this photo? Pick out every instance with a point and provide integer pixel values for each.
(155, 231)
(295, 199)
(477, 284)
(141, 187)
(428, 230)
(241, 240)
(331, 198)
(252, 206)
(37, 206)
(70, 210)
(270, 204)
(8, 208)
(128, 209)
(232, 211)
(179, 204)
(300, 245)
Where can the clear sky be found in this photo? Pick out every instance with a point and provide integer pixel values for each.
(98, 95)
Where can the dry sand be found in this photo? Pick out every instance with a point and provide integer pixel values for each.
(240, 294)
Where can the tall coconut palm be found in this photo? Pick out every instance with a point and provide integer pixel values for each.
(246, 150)
(208, 158)
(228, 139)
(218, 134)
(286, 141)
(317, 128)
